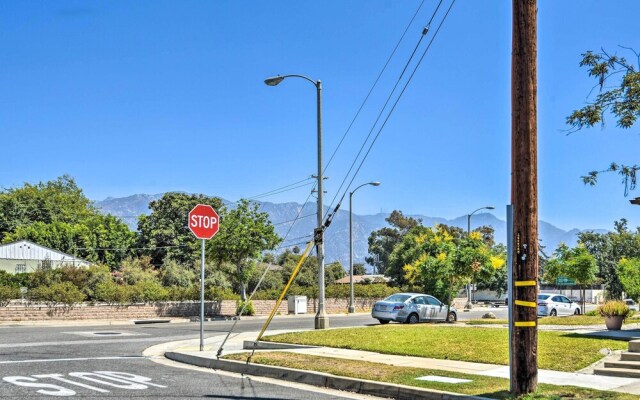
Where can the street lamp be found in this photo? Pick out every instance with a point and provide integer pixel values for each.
(469, 306)
(321, 319)
(352, 309)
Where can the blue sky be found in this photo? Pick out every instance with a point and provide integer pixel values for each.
(151, 96)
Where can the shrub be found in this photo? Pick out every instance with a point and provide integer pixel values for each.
(614, 308)
(58, 293)
(149, 292)
(111, 293)
(489, 315)
(591, 313)
(178, 293)
(248, 308)
(216, 294)
(174, 274)
(8, 293)
(134, 270)
(66, 293)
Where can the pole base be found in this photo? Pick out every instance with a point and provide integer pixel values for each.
(468, 306)
(322, 322)
(351, 309)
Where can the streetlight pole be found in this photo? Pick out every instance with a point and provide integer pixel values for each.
(469, 306)
(321, 319)
(352, 308)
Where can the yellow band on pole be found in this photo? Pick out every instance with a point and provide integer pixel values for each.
(526, 283)
(293, 276)
(525, 324)
(526, 303)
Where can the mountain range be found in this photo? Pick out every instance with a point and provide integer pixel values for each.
(282, 216)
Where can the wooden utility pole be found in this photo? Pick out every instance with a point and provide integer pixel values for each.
(524, 197)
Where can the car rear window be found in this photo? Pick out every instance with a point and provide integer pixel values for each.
(543, 296)
(397, 298)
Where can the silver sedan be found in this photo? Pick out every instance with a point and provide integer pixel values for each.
(412, 308)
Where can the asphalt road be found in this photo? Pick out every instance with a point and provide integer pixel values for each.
(97, 362)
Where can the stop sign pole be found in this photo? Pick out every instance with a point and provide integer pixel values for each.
(204, 223)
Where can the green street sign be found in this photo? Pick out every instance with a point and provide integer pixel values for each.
(563, 280)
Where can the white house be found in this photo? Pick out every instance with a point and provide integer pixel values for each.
(25, 256)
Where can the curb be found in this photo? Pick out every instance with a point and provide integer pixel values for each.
(252, 344)
(320, 379)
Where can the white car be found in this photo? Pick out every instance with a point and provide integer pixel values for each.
(551, 304)
(631, 304)
(412, 308)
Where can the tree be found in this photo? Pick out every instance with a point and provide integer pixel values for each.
(56, 214)
(382, 241)
(60, 200)
(440, 259)
(333, 272)
(244, 234)
(165, 232)
(359, 269)
(629, 272)
(608, 249)
(621, 100)
(573, 263)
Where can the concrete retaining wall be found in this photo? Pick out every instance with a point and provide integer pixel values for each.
(18, 312)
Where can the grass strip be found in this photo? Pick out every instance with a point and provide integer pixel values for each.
(559, 351)
(495, 388)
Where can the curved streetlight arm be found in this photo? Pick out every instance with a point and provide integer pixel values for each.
(475, 211)
(277, 79)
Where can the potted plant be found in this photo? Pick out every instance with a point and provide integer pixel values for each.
(614, 313)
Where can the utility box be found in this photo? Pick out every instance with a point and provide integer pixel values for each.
(297, 304)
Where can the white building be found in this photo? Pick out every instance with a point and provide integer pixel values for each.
(25, 256)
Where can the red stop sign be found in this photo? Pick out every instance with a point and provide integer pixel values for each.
(204, 221)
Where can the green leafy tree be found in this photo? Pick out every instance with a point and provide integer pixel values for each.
(244, 234)
(574, 263)
(333, 272)
(165, 232)
(383, 241)
(60, 200)
(56, 214)
(620, 99)
(440, 259)
(629, 272)
(359, 269)
(608, 249)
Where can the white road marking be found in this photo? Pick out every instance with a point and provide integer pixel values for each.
(59, 377)
(120, 380)
(44, 360)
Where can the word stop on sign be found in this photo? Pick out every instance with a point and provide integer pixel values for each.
(202, 221)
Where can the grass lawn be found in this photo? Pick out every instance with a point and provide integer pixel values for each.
(556, 350)
(496, 388)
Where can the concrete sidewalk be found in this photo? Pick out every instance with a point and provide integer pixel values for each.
(235, 344)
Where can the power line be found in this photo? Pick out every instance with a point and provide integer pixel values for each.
(424, 32)
(402, 92)
(375, 83)
(281, 189)
(294, 220)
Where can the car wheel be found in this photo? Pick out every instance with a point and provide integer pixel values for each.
(384, 321)
(553, 313)
(452, 317)
(576, 312)
(413, 319)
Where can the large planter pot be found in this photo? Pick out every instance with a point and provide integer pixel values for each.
(614, 322)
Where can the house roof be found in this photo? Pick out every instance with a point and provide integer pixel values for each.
(26, 250)
(363, 278)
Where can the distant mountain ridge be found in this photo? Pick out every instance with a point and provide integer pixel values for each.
(337, 235)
